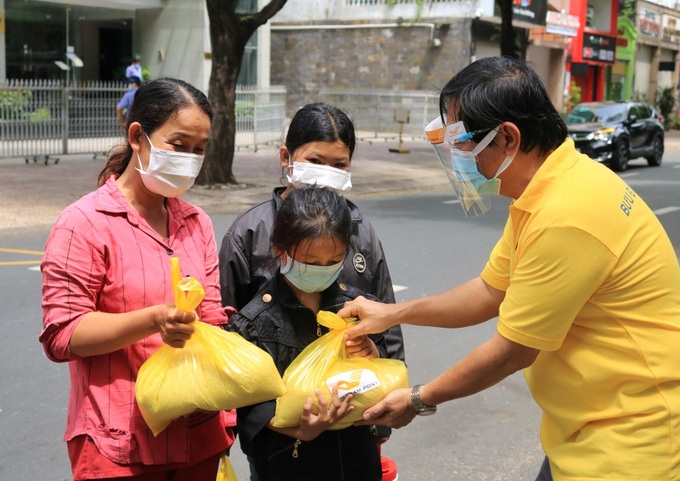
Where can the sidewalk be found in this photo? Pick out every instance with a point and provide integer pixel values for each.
(34, 194)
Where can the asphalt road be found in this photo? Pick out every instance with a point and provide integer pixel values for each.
(430, 246)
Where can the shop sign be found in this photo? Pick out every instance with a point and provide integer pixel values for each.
(599, 48)
(665, 3)
(530, 11)
(562, 24)
(649, 23)
(671, 29)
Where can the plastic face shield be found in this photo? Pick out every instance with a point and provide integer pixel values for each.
(473, 199)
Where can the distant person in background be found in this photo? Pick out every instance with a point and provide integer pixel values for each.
(135, 68)
(125, 104)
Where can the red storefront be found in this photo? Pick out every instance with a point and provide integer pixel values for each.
(593, 49)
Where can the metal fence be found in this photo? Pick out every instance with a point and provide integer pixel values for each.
(260, 116)
(377, 113)
(43, 119)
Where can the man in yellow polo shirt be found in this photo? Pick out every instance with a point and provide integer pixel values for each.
(584, 281)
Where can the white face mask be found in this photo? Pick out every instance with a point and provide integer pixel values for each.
(170, 173)
(306, 173)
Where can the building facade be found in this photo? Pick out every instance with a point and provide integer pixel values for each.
(381, 45)
(658, 43)
(610, 49)
(96, 39)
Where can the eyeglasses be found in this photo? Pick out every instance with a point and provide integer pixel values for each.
(453, 134)
(475, 136)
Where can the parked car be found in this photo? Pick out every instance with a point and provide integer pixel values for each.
(614, 132)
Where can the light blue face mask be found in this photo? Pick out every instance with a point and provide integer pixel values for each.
(465, 168)
(310, 278)
(464, 165)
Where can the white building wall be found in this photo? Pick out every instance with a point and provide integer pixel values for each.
(301, 11)
(665, 78)
(666, 3)
(264, 51)
(172, 41)
(485, 49)
(643, 63)
(539, 57)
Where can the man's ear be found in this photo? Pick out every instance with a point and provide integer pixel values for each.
(284, 156)
(512, 137)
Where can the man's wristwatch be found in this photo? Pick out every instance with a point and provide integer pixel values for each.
(421, 409)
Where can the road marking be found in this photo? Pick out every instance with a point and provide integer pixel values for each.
(35, 268)
(18, 263)
(666, 210)
(456, 201)
(629, 174)
(22, 251)
(398, 288)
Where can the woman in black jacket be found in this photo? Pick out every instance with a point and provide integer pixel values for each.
(310, 238)
(318, 150)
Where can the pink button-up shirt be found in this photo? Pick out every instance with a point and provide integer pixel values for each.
(103, 256)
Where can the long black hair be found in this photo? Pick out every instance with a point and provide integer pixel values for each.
(155, 102)
(501, 89)
(320, 122)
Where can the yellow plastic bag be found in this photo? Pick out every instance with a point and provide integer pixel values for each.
(215, 370)
(226, 471)
(324, 364)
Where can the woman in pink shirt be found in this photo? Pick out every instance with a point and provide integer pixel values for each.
(107, 299)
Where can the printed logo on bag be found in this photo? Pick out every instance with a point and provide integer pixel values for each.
(353, 382)
(359, 262)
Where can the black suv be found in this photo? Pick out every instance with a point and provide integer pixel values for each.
(616, 132)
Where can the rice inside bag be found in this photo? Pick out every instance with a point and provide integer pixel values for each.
(324, 364)
(216, 370)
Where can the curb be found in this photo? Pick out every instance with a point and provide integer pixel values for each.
(34, 194)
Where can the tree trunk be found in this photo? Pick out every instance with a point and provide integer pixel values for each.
(226, 64)
(229, 33)
(508, 36)
(219, 158)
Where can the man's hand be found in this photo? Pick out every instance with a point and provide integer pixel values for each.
(395, 411)
(374, 317)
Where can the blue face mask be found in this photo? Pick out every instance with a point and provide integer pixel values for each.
(465, 168)
(310, 278)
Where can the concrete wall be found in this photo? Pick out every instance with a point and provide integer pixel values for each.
(393, 58)
(549, 64)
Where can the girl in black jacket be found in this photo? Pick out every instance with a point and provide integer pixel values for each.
(310, 238)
